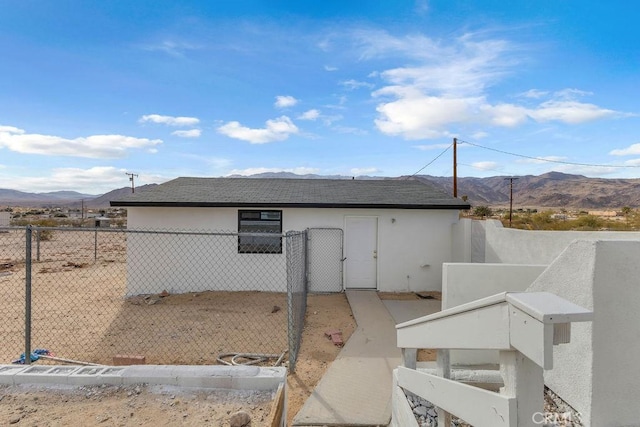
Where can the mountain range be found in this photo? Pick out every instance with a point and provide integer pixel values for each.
(550, 190)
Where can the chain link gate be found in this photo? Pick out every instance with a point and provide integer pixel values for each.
(325, 260)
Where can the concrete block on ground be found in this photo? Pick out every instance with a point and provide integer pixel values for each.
(8, 372)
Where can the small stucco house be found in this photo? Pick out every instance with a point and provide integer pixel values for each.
(396, 233)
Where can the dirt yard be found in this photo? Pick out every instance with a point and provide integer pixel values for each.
(79, 312)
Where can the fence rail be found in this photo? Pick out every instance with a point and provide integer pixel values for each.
(175, 297)
(524, 327)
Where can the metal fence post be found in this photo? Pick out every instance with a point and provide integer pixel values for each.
(290, 309)
(37, 244)
(95, 246)
(305, 252)
(27, 298)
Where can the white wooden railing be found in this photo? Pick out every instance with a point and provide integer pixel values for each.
(524, 327)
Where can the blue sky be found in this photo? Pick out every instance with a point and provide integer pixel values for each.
(90, 90)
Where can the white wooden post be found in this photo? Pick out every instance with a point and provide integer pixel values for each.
(410, 357)
(524, 380)
(443, 370)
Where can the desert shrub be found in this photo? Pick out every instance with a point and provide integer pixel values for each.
(482, 211)
(588, 222)
(44, 234)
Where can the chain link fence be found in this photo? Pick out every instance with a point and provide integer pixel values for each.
(175, 297)
(326, 260)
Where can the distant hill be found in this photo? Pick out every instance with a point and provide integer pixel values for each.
(552, 190)
(102, 202)
(54, 198)
(69, 199)
(307, 176)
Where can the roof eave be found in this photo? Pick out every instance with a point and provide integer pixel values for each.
(287, 205)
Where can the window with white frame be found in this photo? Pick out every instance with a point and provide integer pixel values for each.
(263, 222)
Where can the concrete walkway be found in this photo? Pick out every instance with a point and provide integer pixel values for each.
(356, 389)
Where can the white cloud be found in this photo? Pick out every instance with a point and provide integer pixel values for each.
(364, 171)
(447, 85)
(570, 94)
(94, 146)
(95, 180)
(285, 101)
(571, 112)
(10, 129)
(169, 120)
(275, 130)
(542, 160)
(310, 115)
(191, 133)
(415, 116)
(534, 93)
(505, 115)
(585, 170)
(350, 129)
(463, 69)
(330, 68)
(354, 84)
(479, 135)
(171, 47)
(631, 150)
(485, 165)
(253, 171)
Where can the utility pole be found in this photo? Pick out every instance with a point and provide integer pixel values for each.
(455, 167)
(131, 175)
(511, 178)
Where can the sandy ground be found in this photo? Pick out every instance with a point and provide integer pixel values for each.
(79, 313)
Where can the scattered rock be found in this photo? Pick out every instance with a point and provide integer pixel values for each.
(164, 294)
(152, 299)
(275, 309)
(15, 420)
(102, 418)
(240, 419)
(420, 411)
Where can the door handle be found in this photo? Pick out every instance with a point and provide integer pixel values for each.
(375, 254)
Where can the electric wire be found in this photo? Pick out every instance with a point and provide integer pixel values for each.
(428, 164)
(563, 162)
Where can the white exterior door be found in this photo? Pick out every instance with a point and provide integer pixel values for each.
(361, 252)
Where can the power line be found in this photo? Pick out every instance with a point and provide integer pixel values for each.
(131, 175)
(428, 164)
(548, 160)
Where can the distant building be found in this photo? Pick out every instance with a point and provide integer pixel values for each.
(5, 219)
(102, 221)
(604, 214)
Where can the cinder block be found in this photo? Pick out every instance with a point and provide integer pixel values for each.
(329, 333)
(337, 340)
(125, 360)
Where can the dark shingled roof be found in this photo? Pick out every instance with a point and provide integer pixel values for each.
(299, 193)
